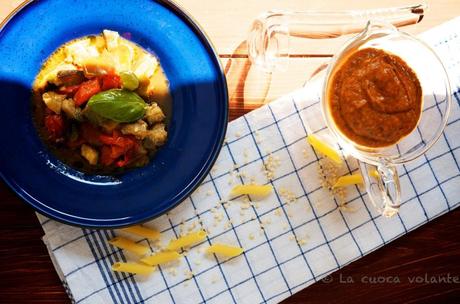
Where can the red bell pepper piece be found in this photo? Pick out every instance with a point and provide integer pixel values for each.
(86, 90)
(106, 139)
(110, 81)
(123, 162)
(106, 158)
(54, 124)
(69, 90)
(117, 151)
(123, 141)
(118, 146)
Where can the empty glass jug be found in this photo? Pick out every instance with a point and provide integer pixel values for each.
(274, 33)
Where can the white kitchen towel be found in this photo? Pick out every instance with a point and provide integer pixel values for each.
(293, 238)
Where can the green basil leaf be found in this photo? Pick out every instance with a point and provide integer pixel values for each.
(118, 105)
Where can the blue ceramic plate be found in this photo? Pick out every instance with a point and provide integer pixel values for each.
(196, 130)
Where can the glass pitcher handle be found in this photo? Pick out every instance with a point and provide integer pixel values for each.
(382, 186)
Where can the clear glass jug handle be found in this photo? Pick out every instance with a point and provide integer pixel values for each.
(382, 186)
(273, 32)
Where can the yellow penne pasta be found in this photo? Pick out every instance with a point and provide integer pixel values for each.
(221, 249)
(348, 180)
(129, 245)
(257, 190)
(148, 233)
(186, 240)
(134, 268)
(161, 258)
(374, 173)
(324, 148)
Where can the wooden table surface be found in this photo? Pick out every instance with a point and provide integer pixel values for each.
(432, 252)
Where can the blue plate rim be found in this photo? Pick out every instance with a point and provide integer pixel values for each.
(198, 30)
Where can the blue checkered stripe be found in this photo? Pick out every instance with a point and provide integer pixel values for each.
(302, 241)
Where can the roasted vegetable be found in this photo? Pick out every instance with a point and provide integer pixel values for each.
(129, 81)
(86, 90)
(69, 90)
(111, 39)
(69, 108)
(109, 125)
(119, 149)
(53, 101)
(110, 81)
(90, 134)
(54, 124)
(69, 77)
(138, 129)
(155, 137)
(90, 154)
(154, 114)
(94, 104)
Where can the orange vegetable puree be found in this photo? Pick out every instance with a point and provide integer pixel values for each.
(375, 98)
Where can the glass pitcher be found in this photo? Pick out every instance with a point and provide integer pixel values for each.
(384, 188)
(379, 165)
(274, 34)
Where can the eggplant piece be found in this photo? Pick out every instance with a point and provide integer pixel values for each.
(138, 129)
(154, 114)
(70, 77)
(156, 137)
(53, 101)
(69, 108)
